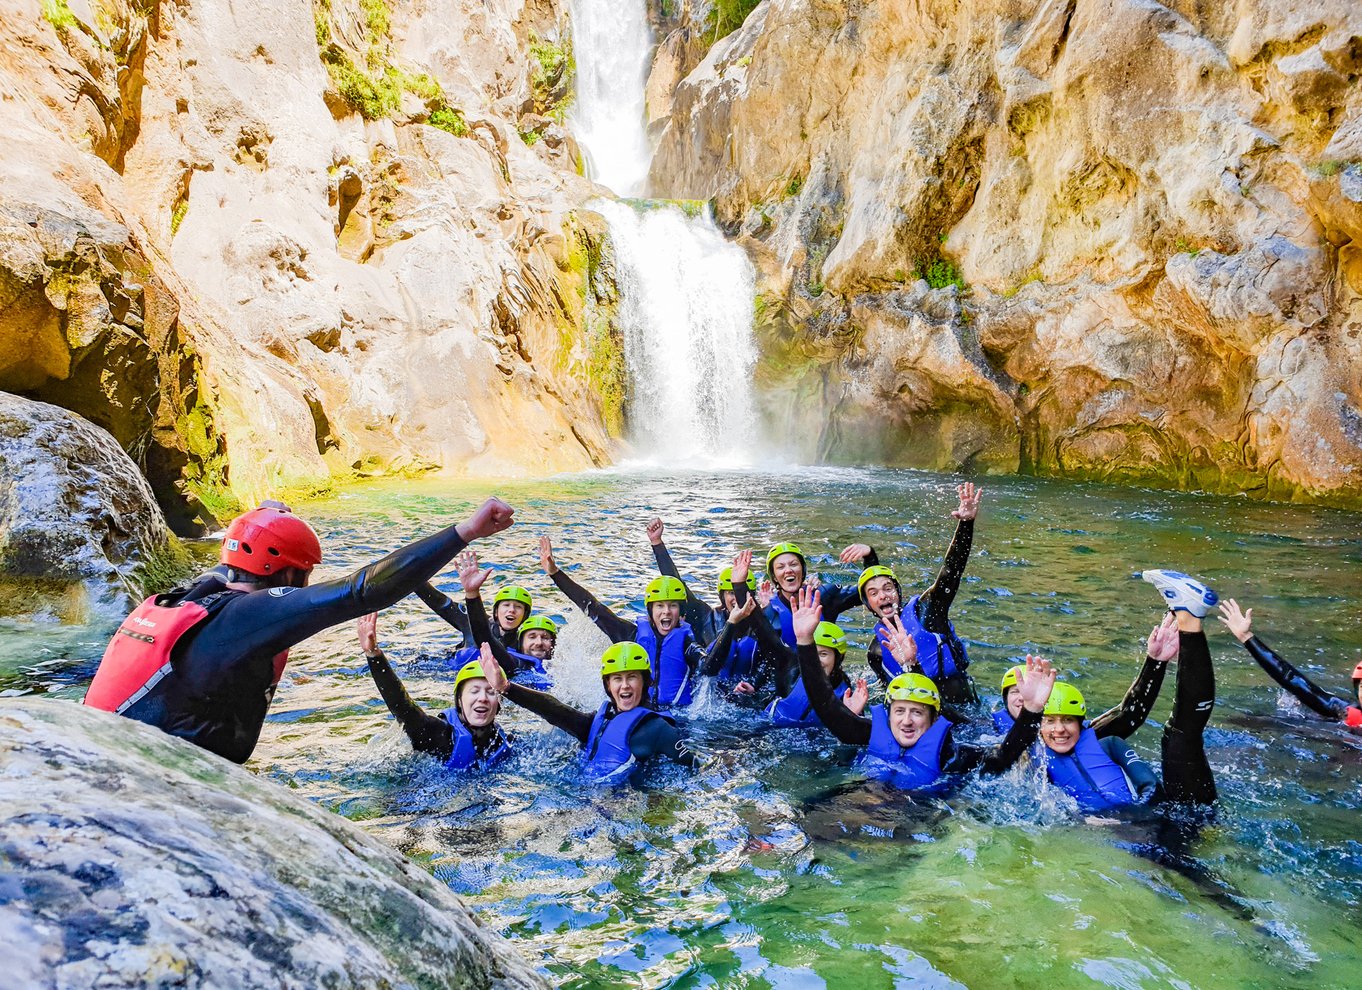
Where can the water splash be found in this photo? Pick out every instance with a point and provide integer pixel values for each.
(686, 313)
(612, 43)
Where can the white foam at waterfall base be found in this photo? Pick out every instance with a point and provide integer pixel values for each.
(611, 45)
(686, 314)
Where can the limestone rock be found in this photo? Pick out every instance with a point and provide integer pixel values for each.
(129, 858)
(73, 506)
(1152, 213)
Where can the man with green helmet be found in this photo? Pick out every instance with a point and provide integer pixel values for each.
(463, 736)
(908, 742)
(677, 657)
(625, 732)
(940, 653)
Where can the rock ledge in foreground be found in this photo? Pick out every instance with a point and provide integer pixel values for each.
(131, 859)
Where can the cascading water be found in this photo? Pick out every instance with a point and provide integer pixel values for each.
(685, 292)
(686, 312)
(611, 43)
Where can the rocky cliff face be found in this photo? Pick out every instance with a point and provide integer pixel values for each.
(268, 245)
(1101, 239)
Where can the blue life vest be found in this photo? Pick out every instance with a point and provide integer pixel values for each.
(915, 768)
(465, 752)
(1003, 720)
(463, 655)
(671, 677)
(795, 711)
(1088, 774)
(740, 662)
(935, 653)
(530, 671)
(607, 744)
(781, 619)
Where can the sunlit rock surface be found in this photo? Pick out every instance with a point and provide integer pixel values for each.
(1154, 211)
(132, 859)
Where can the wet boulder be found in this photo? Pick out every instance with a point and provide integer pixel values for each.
(73, 505)
(129, 858)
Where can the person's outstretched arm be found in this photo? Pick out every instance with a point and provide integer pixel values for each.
(446, 608)
(838, 598)
(935, 603)
(1135, 707)
(262, 625)
(839, 720)
(695, 611)
(428, 733)
(1291, 680)
(572, 721)
(1035, 684)
(472, 578)
(619, 630)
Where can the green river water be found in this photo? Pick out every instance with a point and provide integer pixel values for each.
(779, 867)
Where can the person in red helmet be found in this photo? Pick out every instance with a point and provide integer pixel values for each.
(1307, 692)
(203, 662)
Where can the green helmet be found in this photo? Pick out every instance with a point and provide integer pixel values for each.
(873, 572)
(914, 687)
(513, 593)
(664, 589)
(830, 635)
(468, 672)
(1010, 678)
(623, 657)
(1065, 699)
(726, 580)
(539, 622)
(781, 548)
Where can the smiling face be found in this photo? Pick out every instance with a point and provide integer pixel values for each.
(537, 643)
(788, 571)
(509, 615)
(478, 703)
(666, 616)
(1060, 732)
(908, 720)
(882, 596)
(627, 690)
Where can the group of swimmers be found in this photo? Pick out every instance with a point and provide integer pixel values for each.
(203, 663)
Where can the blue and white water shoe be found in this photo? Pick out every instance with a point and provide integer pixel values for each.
(1182, 593)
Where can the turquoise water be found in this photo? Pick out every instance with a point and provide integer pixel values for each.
(779, 867)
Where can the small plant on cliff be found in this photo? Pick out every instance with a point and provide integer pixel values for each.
(726, 16)
(792, 187)
(446, 118)
(58, 14)
(939, 273)
(177, 216)
(551, 81)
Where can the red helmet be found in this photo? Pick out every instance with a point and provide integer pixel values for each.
(269, 539)
(1357, 672)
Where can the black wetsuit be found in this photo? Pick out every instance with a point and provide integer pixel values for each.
(220, 689)
(1308, 693)
(956, 757)
(457, 616)
(653, 737)
(428, 733)
(705, 621)
(933, 611)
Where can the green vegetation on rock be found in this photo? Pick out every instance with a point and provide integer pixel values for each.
(939, 273)
(58, 14)
(726, 16)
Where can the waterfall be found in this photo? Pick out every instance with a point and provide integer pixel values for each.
(686, 313)
(612, 45)
(686, 293)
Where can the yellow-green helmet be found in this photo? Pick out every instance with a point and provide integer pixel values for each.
(624, 657)
(830, 634)
(879, 570)
(513, 593)
(664, 589)
(781, 548)
(539, 622)
(1010, 678)
(1065, 699)
(726, 580)
(914, 687)
(468, 672)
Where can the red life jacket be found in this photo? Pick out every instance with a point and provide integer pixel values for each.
(139, 655)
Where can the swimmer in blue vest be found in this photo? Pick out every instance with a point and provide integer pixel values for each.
(1323, 703)
(1130, 714)
(528, 645)
(907, 741)
(511, 606)
(926, 617)
(788, 570)
(625, 732)
(463, 736)
(677, 656)
(1106, 773)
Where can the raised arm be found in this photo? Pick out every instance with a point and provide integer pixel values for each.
(1035, 684)
(619, 630)
(696, 611)
(839, 598)
(1304, 690)
(936, 601)
(446, 608)
(717, 652)
(841, 722)
(428, 733)
(1130, 714)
